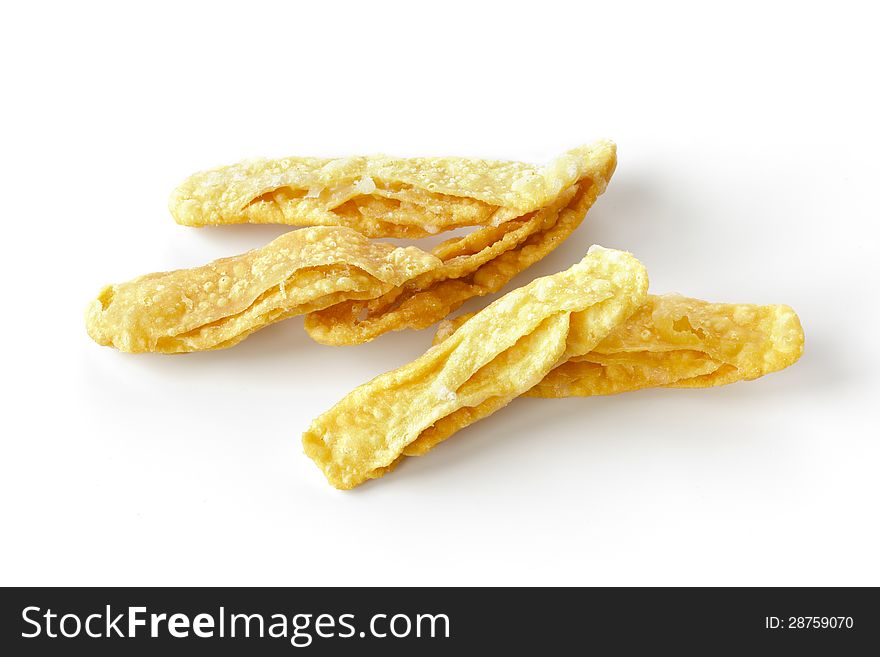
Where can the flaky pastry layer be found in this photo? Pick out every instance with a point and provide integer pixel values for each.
(500, 353)
(381, 196)
(219, 304)
(475, 265)
(674, 341)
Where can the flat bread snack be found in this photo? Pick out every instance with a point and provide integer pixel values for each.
(500, 353)
(219, 304)
(590, 330)
(480, 263)
(381, 196)
(676, 342)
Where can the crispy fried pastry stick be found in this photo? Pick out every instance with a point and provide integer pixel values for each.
(380, 196)
(219, 304)
(476, 265)
(500, 353)
(676, 342)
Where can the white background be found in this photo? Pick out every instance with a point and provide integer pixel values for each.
(748, 144)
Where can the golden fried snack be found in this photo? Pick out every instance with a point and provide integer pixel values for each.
(219, 304)
(379, 196)
(476, 265)
(673, 341)
(499, 354)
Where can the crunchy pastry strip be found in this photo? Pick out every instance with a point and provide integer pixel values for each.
(219, 304)
(476, 265)
(673, 341)
(502, 352)
(380, 196)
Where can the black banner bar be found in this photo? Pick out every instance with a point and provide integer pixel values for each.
(333, 621)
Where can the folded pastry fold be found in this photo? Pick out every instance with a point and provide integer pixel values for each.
(380, 196)
(475, 265)
(502, 352)
(673, 341)
(219, 304)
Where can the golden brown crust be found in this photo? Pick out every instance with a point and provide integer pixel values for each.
(502, 352)
(219, 304)
(379, 196)
(476, 265)
(673, 341)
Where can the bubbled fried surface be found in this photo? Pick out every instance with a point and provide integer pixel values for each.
(675, 341)
(476, 265)
(381, 196)
(219, 304)
(502, 352)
